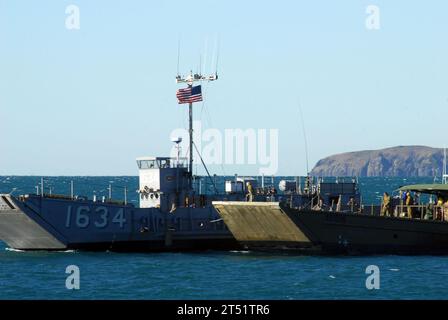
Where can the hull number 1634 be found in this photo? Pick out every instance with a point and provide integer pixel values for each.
(99, 217)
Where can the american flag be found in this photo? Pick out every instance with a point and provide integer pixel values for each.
(189, 95)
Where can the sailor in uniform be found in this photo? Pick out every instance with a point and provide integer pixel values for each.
(385, 210)
(250, 192)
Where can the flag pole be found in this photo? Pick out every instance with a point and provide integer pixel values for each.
(190, 81)
(190, 111)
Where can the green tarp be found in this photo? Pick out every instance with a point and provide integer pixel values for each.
(427, 188)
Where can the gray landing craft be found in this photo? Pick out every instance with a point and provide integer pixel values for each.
(172, 215)
(327, 218)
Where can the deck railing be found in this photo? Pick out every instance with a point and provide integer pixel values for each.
(420, 211)
(82, 188)
(423, 211)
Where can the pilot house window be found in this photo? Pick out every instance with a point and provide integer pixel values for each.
(147, 164)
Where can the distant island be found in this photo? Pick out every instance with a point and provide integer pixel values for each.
(403, 161)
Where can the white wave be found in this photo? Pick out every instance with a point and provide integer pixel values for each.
(14, 250)
(395, 270)
(239, 251)
(58, 251)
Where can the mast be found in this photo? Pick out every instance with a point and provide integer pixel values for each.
(190, 80)
(190, 132)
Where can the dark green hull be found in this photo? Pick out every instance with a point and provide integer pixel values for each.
(345, 233)
(274, 227)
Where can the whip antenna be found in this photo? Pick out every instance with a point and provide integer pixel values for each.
(304, 137)
(204, 62)
(178, 56)
(217, 57)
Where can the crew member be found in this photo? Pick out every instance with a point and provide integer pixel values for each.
(250, 194)
(409, 203)
(273, 193)
(385, 209)
(439, 208)
(445, 211)
(351, 203)
(403, 198)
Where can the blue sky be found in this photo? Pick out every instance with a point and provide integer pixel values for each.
(88, 102)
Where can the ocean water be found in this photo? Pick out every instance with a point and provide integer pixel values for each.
(211, 275)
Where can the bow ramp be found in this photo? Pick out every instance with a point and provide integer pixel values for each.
(261, 224)
(20, 231)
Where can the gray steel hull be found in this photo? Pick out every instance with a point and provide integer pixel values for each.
(21, 232)
(36, 223)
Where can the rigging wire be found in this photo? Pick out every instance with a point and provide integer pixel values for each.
(304, 137)
(206, 169)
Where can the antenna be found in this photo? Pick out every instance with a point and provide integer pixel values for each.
(444, 171)
(178, 56)
(204, 62)
(177, 141)
(217, 58)
(304, 137)
(206, 169)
